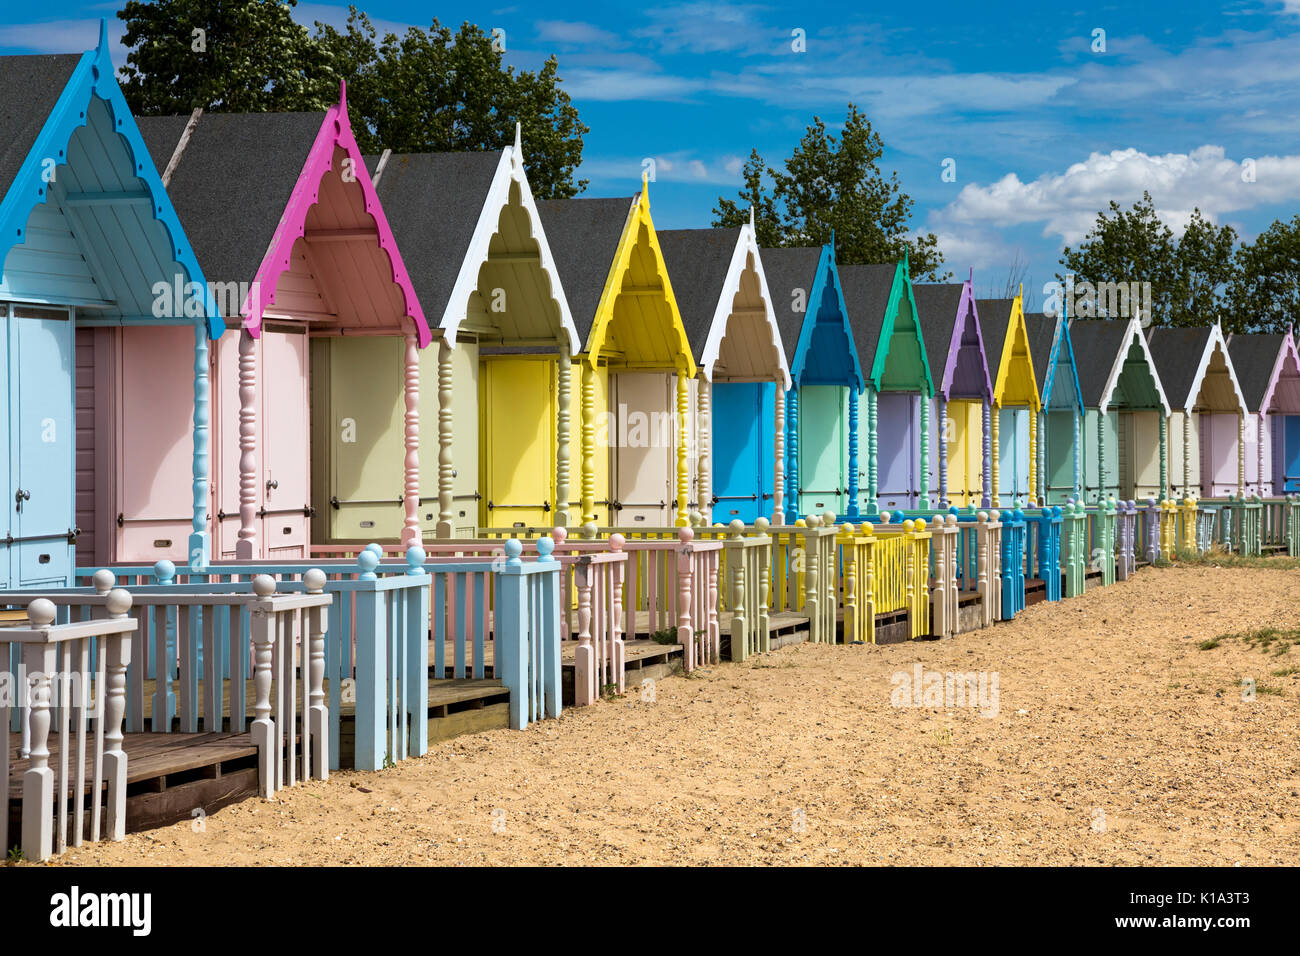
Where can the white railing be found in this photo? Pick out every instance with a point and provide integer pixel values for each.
(85, 664)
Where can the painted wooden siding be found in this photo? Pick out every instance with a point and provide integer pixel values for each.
(1090, 455)
(49, 266)
(465, 437)
(602, 439)
(85, 405)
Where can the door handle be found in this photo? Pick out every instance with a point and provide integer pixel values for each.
(272, 484)
(19, 497)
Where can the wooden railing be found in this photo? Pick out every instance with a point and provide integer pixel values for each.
(1247, 524)
(749, 581)
(885, 570)
(1101, 539)
(1043, 549)
(945, 594)
(1014, 544)
(75, 674)
(805, 574)
(1074, 547)
(1126, 539)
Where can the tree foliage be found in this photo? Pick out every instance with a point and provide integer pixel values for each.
(427, 91)
(833, 185)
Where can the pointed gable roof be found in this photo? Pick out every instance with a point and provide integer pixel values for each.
(446, 209)
(1003, 324)
(1258, 359)
(45, 101)
(1183, 358)
(1042, 331)
(1097, 347)
(944, 310)
(698, 261)
(867, 291)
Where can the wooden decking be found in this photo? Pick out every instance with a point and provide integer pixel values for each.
(170, 777)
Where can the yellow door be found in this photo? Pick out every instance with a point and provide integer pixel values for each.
(518, 442)
(965, 452)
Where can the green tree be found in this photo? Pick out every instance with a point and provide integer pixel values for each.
(833, 184)
(230, 55)
(1265, 294)
(434, 90)
(427, 91)
(1189, 276)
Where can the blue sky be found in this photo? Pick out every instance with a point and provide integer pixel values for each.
(1044, 130)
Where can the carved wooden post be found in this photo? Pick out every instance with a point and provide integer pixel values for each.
(924, 500)
(866, 613)
(1260, 428)
(850, 585)
(411, 489)
(943, 452)
(704, 428)
(1187, 452)
(38, 778)
(1101, 456)
(715, 632)
(683, 460)
(1078, 457)
(584, 669)
(446, 460)
(1033, 455)
(1164, 458)
(1241, 453)
(812, 594)
(589, 439)
(616, 544)
(316, 759)
(564, 370)
(778, 456)
(851, 508)
(263, 727)
(736, 599)
(986, 437)
(118, 658)
(995, 415)
(873, 486)
(685, 625)
(764, 584)
(249, 472)
(792, 500)
(199, 545)
(982, 565)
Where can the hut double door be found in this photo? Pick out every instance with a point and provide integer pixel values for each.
(1013, 456)
(36, 458)
(1058, 457)
(1218, 434)
(898, 450)
(1139, 455)
(965, 428)
(1286, 454)
(823, 449)
(517, 441)
(641, 431)
(742, 447)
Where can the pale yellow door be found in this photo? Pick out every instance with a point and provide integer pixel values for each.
(642, 438)
(518, 442)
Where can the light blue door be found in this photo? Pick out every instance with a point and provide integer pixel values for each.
(6, 453)
(743, 425)
(1013, 456)
(40, 498)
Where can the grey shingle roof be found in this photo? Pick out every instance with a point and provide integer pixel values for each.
(697, 261)
(1096, 346)
(787, 270)
(936, 308)
(995, 316)
(433, 202)
(866, 294)
(233, 181)
(1177, 354)
(1042, 333)
(583, 235)
(1253, 358)
(29, 88)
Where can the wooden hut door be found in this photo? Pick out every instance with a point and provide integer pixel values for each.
(1013, 455)
(823, 443)
(1289, 453)
(286, 455)
(1218, 454)
(742, 459)
(39, 497)
(897, 450)
(1059, 435)
(517, 441)
(642, 440)
(965, 451)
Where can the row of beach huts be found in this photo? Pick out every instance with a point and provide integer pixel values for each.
(236, 352)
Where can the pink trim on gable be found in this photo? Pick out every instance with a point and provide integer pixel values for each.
(1279, 368)
(335, 133)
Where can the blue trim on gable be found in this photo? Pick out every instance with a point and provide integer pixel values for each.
(95, 76)
(1064, 326)
(825, 266)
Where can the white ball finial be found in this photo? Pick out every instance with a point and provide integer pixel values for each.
(264, 585)
(119, 602)
(314, 580)
(41, 612)
(103, 580)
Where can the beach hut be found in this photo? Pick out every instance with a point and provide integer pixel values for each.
(107, 319)
(954, 347)
(1016, 401)
(636, 364)
(1268, 369)
(498, 383)
(1060, 432)
(1125, 433)
(899, 388)
(315, 403)
(723, 296)
(821, 406)
(1207, 410)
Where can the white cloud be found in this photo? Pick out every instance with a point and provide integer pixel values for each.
(573, 32)
(675, 167)
(1067, 203)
